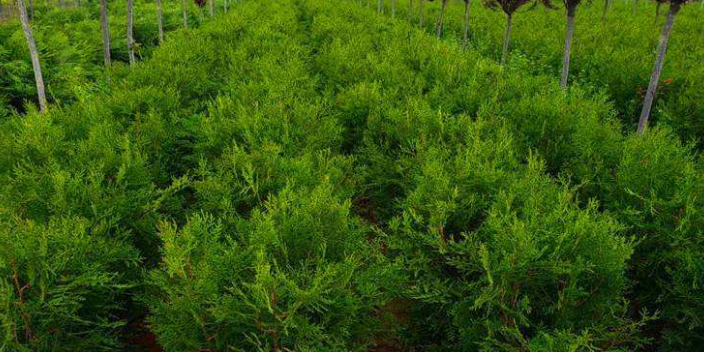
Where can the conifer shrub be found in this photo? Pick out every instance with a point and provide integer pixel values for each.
(653, 185)
(298, 275)
(61, 286)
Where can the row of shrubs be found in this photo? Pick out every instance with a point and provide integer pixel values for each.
(613, 55)
(326, 179)
(70, 49)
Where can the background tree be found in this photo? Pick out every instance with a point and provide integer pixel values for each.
(509, 7)
(34, 54)
(105, 31)
(571, 7)
(441, 16)
(130, 25)
(410, 11)
(160, 21)
(465, 39)
(184, 12)
(2, 11)
(211, 7)
(675, 6)
(606, 9)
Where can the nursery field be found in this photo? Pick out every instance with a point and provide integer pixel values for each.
(316, 175)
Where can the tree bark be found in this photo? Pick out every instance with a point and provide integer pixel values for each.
(420, 20)
(224, 4)
(160, 21)
(507, 39)
(568, 46)
(657, 68)
(130, 25)
(465, 40)
(211, 7)
(105, 31)
(184, 10)
(34, 54)
(393, 9)
(441, 17)
(2, 11)
(606, 10)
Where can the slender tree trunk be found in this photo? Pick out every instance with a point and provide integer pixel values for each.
(606, 10)
(62, 4)
(224, 4)
(130, 25)
(2, 11)
(160, 21)
(465, 39)
(420, 20)
(211, 7)
(441, 17)
(635, 7)
(184, 10)
(34, 54)
(507, 39)
(568, 46)
(105, 31)
(410, 11)
(380, 6)
(657, 68)
(393, 9)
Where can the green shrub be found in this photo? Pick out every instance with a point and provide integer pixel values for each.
(61, 286)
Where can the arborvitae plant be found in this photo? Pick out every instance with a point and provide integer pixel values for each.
(675, 6)
(299, 275)
(61, 286)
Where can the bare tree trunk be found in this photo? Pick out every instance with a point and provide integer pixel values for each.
(568, 46)
(507, 39)
(657, 69)
(441, 17)
(34, 54)
(224, 4)
(606, 10)
(130, 25)
(420, 21)
(184, 10)
(465, 40)
(160, 21)
(211, 7)
(105, 31)
(393, 9)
